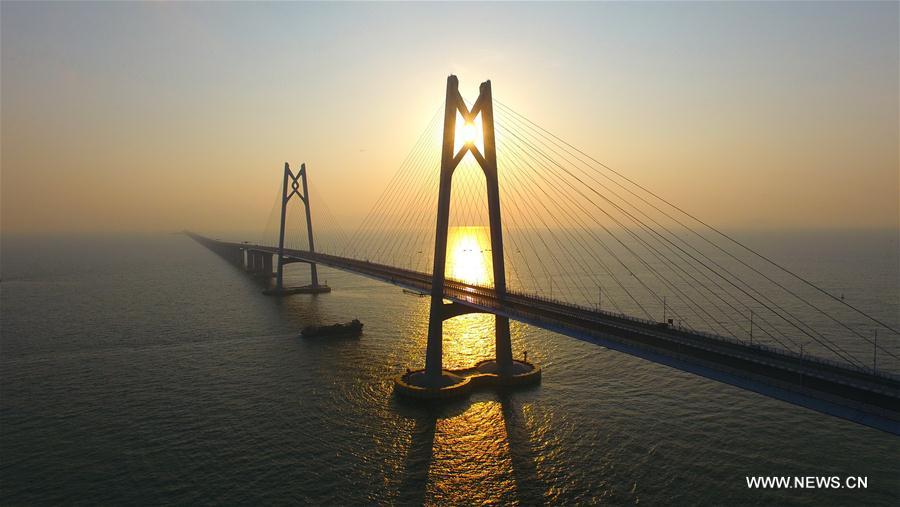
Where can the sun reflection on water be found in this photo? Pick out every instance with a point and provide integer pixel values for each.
(469, 255)
(471, 458)
(468, 339)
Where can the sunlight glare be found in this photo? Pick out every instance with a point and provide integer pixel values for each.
(471, 460)
(469, 254)
(469, 133)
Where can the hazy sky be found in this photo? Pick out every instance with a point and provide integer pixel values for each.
(164, 116)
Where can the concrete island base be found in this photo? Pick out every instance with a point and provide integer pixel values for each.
(454, 383)
(305, 289)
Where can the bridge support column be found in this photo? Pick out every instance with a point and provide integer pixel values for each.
(267, 264)
(295, 181)
(251, 261)
(256, 262)
(434, 381)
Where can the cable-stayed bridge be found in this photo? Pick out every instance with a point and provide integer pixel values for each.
(492, 213)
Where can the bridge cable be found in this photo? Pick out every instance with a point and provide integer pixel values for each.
(824, 341)
(366, 226)
(661, 256)
(693, 306)
(844, 354)
(732, 240)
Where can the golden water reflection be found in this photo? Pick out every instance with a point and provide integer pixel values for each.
(469, 255)
(468, 339)
(471, 458)
(481, 452)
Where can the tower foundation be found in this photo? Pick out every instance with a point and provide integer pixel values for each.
(454, 383)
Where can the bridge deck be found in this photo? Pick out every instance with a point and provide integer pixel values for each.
(832, 388)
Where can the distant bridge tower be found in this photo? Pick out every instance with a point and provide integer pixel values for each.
(434, 381)
(295, 181)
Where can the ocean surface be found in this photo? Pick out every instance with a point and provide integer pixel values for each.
(147, 370)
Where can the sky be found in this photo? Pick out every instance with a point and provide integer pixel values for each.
(155, 117)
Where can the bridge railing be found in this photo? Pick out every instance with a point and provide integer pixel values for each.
(564, 307)
(580, 311)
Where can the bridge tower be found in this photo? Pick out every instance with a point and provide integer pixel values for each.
(295, 181)
(434, 381)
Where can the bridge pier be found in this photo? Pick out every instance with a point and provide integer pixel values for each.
(267, 264)
(295, 181)
(434, 381)
(258, 263)
(250, 261)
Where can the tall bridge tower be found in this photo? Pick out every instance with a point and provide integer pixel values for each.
(434, 381)
(295, 181)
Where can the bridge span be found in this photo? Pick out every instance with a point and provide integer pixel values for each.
(862, 396)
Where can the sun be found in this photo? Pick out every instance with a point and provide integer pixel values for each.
(468, 255)
(468, 132)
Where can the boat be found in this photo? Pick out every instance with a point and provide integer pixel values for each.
(352, 328)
